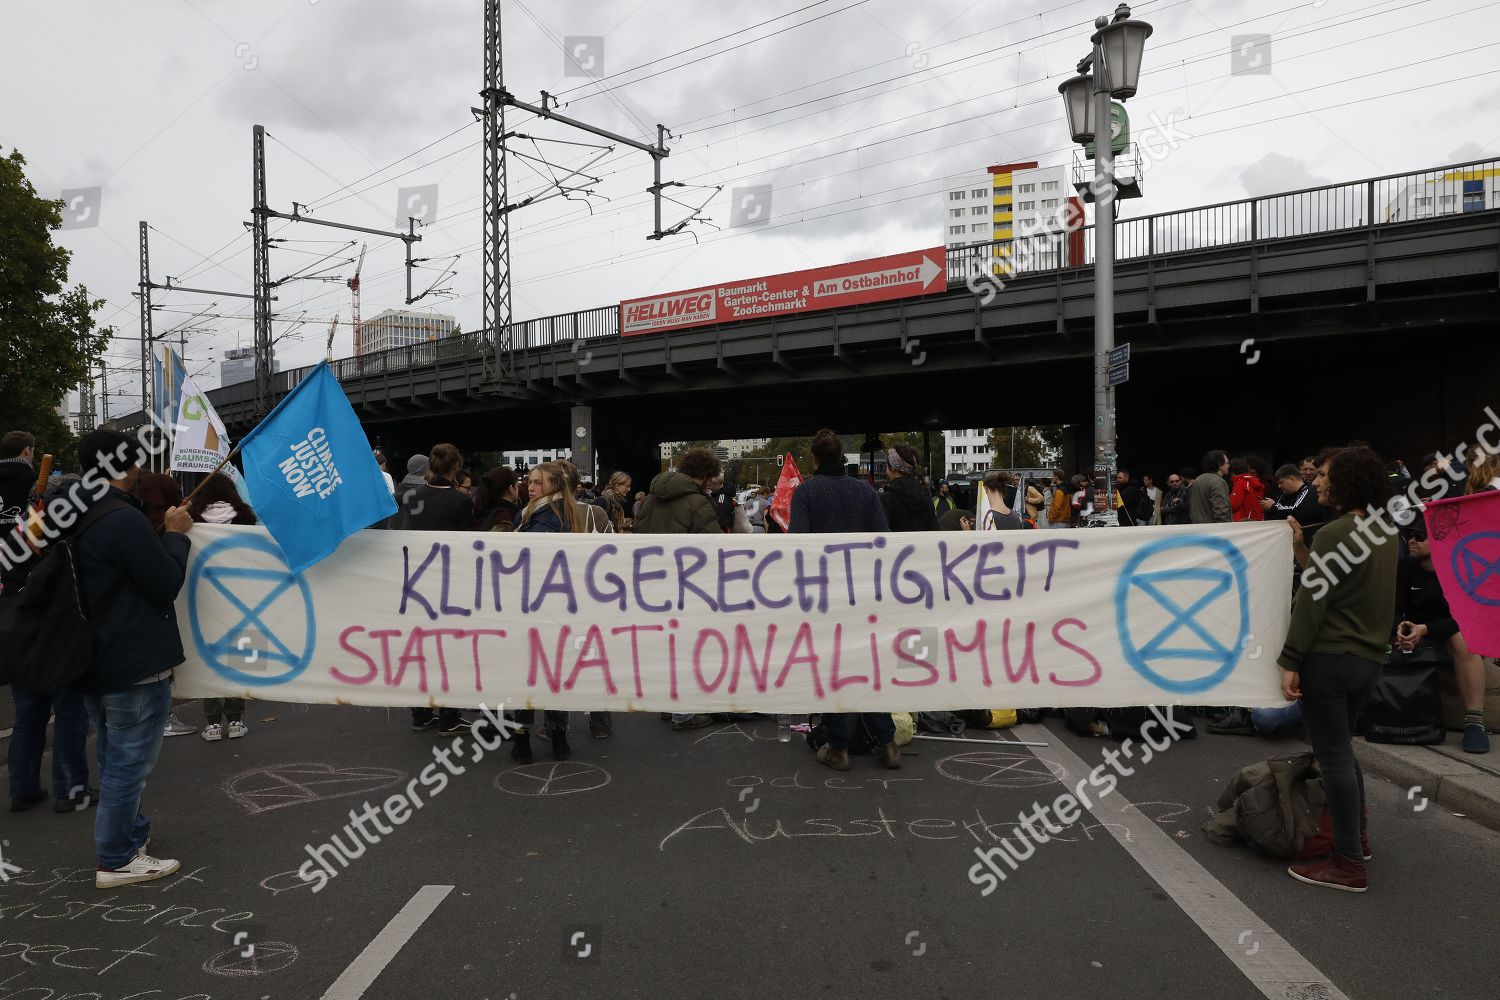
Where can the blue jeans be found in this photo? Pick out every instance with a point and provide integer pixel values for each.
(1273, 720)
(129, 724)
(880, 724)
(70, 764)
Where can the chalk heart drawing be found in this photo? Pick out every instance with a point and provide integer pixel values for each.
(563, 777)
(1000, 769)
(267, 957)
(280, 785)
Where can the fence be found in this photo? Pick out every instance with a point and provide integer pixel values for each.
(1377, 201)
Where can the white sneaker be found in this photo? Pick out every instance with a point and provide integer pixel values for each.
(213, 731)
(176, 727)
(237, 729)
(142, 868)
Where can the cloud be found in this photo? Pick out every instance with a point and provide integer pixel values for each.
(1277, 172)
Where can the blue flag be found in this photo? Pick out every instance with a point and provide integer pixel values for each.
(169, 374)
(312, 477)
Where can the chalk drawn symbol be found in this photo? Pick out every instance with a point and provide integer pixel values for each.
(562, 777)
(1255, 945)
(1212, 587)
(285, 882)
(1474, 569)
(267, 957)
(921, 949)
(235, 584)
(278, 786)
(582, 942)
(1000, 769)
(6, 868)
(752, 806)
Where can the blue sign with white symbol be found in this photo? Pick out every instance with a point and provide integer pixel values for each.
(1119, 374)
(1119, 355)
(255, 595)
(1184, 627)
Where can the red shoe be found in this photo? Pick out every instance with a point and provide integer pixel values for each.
(1332, 872)
(1364, 846)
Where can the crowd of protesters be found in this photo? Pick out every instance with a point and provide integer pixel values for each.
(132, 543)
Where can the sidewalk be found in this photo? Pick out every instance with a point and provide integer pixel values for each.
(1466, 784)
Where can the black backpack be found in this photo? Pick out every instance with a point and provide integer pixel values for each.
(861, 740)
(46, 639)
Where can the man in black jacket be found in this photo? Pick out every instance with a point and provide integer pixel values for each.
(436, 505)
(1174, 503)
(128, 578)
(17, 478)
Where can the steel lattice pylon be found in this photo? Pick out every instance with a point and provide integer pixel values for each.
(496, 264)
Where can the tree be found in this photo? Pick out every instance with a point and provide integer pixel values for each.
(1035, 447)
(47, 331)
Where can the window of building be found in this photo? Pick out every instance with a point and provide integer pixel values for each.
(955, 196)
(979, 227)
(1473, 201)
(1424, 202)
(955, 230)
(1025, 206)
(1003, 190)
(1049, 203)
(956, 213)
(980, 210)
(1449, 200)
(1049, 185)
(1025, 188)
(980, 192)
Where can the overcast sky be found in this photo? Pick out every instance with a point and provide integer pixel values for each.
(153, 102)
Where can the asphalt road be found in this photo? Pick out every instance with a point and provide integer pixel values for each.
(722, 863)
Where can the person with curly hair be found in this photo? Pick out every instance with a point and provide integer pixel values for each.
(218, 502)
(1335, 646)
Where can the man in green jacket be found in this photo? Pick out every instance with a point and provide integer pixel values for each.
(678, 504)
(1208, 497)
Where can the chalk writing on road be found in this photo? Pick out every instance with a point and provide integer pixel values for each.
(1000, 769)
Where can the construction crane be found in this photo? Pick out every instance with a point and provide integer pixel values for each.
(332, 326)
(354, 295)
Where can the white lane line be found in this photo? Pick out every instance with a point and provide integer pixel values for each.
(353, 981)
(1271, 964)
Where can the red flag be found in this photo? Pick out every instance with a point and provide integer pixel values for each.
(781, 502)
(1465, 536)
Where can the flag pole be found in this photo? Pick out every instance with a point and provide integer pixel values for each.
(225, 461)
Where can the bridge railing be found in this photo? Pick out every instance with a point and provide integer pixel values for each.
(1378, 201)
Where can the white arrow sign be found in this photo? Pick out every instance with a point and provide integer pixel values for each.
(922, 275)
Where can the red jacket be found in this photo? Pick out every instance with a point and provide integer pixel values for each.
(1245, 497)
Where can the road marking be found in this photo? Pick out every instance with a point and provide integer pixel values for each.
(1273, 966)
(352, 983)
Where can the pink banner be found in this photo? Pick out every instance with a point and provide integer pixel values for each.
(1465, 536)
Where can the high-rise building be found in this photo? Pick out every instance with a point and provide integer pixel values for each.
(238, 365)
(966, 450)
(1010, 201)
(403, 328)
(535, 456)
(1449, 193)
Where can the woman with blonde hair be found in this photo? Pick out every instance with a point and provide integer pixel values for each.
(552, 506)
(1484, 471)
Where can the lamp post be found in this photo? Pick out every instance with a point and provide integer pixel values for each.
(1115, 63)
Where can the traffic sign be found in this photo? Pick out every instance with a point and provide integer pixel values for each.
(1119, 356)
(1119, 373)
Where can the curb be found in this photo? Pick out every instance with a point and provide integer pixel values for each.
(1457, 785)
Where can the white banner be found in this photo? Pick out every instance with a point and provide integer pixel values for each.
(200, 442)
(744, 623)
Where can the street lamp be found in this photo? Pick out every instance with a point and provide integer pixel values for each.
(1111, 70)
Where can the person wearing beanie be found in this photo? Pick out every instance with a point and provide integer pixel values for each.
(218, 502)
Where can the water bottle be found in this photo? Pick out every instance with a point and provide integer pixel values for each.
(783, 727)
